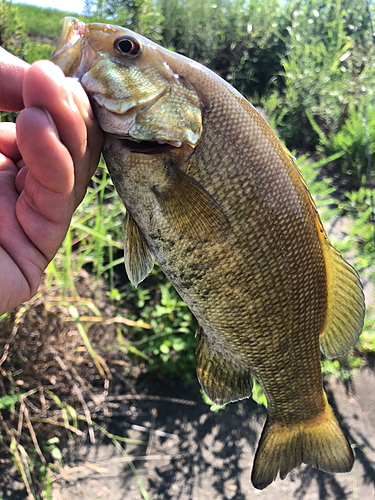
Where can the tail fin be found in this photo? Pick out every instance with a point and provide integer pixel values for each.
(318, 442)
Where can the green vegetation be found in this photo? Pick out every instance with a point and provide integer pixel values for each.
(42, 23)
(305, 64)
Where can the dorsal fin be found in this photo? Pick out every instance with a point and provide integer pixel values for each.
(345, 305)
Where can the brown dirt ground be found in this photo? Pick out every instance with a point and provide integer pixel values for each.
(208, 456)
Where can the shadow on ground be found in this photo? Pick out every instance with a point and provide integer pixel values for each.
(208, 456)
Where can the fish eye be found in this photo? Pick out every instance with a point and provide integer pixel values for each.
(127, 46)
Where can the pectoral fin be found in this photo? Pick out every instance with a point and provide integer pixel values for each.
(221, 379)
(345, 305)
(189, 207)
(139, 261)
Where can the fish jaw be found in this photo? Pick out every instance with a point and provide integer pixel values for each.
(68, 52)
(136, 97)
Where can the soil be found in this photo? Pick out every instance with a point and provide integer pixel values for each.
(206, 455)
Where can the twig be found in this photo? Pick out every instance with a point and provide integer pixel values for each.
(95, 468)
(86, 384)
(42, 400)
(153, 432)
(32, 433)
(7, 430)
(80, 300)
(21, 467)
(108, 321)
(146, 397)
(109, 435)
(123, 380)
(99, 362)
(78, 393)
(86, 411)
(20, 419)
(151, 438)
(6, 348)
(56, 423)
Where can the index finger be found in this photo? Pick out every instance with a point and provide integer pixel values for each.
(12, 71)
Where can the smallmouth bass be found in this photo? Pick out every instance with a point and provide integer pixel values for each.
(217, 200)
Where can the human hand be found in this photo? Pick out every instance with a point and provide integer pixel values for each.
(46, 161)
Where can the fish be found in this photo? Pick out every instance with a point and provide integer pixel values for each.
(216, 199)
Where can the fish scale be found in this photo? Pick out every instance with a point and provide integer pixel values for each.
(218, 201)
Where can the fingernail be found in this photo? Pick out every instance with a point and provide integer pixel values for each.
(72, 104)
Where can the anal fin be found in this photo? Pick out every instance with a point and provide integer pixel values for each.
(345, 305)
(138, 259)
(221, 379)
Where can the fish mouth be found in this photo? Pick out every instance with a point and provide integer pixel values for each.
(148, 147)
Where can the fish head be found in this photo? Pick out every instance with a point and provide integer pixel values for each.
(134, 91)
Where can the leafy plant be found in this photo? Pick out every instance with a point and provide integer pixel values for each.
(42, 23)
(12, 28)
(326, 53)
(237, 39)
(171, 346)
(143, 16)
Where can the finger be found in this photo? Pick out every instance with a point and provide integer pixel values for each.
(46, 158)
(94, 132)
(12, 71)
(8, 142)
(22, 263)
(20, 179)
(44, 87)
(46, 204)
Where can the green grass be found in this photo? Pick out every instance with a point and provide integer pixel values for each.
(42, 22)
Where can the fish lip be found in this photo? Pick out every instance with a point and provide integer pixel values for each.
(113, 123)
(130, 106)
(130, 143)
(72, 30)
(125, 122)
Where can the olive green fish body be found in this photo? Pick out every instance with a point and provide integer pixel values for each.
(215, 198)
(243, 280)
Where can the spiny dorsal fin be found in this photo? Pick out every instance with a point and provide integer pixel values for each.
(345, 305)
(189, 207)
(139, 261)
(221, 380)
